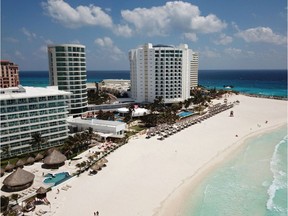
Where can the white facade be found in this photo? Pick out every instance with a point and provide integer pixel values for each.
(194, 70)
(112, 128)
(67, 70)
(161, 71)
(27, 110)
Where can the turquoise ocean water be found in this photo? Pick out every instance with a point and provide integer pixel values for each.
(251, 183)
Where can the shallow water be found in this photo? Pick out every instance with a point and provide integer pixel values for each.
(252, 183)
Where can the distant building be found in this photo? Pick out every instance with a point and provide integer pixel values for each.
(194, 70)
(67, 70)
(162, 71)
(9, 74)
(29, 110)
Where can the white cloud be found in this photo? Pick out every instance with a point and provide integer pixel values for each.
(223, 39)
(108, 49)
(71, 17)
(123, 30)
(233, 51)
(30, 35)
(210, 53)
(190, 36)
(262, 34)
(173, 16)
(11, 40)
(19, 55)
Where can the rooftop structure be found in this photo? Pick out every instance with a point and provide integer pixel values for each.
(162, 71)
(9, 74)
(67, 70)
(29, 110)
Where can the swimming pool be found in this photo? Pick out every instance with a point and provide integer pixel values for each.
(184, 114)
(57, 178)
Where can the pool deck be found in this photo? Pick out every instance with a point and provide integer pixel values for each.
(39, 172)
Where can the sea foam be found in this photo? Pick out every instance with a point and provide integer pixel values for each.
(279, 176)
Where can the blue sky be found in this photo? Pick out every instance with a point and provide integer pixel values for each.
(238, 34)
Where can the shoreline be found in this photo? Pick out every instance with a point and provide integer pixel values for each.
(176, 201)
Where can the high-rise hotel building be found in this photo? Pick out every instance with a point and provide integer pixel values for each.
(67, 70)
(9, 74)
(162, 71)
(29, 110)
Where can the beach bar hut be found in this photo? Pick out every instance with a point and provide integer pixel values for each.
(55, 159)
(18, 180)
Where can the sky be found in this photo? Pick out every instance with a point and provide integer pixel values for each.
(238, 34)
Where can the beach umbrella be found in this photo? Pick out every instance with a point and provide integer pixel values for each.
(96, 167)
(20, 163)
(39, 157)
(2, 171)
(41, 193)
(19, 180)
(41, 190)
(103, 160)
(30, 161)
(9, 167)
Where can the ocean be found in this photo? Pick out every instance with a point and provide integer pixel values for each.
(261, 82)
(251, 183)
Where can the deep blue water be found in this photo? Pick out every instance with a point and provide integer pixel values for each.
(262, 82)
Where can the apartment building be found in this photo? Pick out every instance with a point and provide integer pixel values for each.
(162, 71)
(67, 70)
(9, 74)
(29, 110)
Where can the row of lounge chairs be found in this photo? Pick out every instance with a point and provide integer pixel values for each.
(166, 130)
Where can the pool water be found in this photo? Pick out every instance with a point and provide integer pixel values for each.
(57, 178)
(184, 114)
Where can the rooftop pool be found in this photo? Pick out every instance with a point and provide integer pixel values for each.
(184, 114)
(57, 178)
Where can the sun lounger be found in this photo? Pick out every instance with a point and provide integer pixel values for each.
(69, 186)
(65, 188)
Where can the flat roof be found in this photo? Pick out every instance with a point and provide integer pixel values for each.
(32, 92)
(94, 121)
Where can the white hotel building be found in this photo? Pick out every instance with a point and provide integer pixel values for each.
(27, 110)
(67, 70)
(162, 70)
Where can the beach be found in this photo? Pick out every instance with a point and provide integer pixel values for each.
(151, 177)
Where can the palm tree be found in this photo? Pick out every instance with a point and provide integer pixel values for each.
(37, 140)
(6, 151)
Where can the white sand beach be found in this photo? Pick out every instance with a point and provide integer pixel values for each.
(147, 176)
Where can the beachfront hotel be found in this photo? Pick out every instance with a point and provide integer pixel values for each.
(162, 71)
(9, 74)
(67, 70)
(29, 110)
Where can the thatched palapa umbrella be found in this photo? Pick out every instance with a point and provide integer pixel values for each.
(2, 171)
(41, 193)
(55, 159)
(18, 180)
(20, 163)
(30, 161)
(39, 157)
(9, 167)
